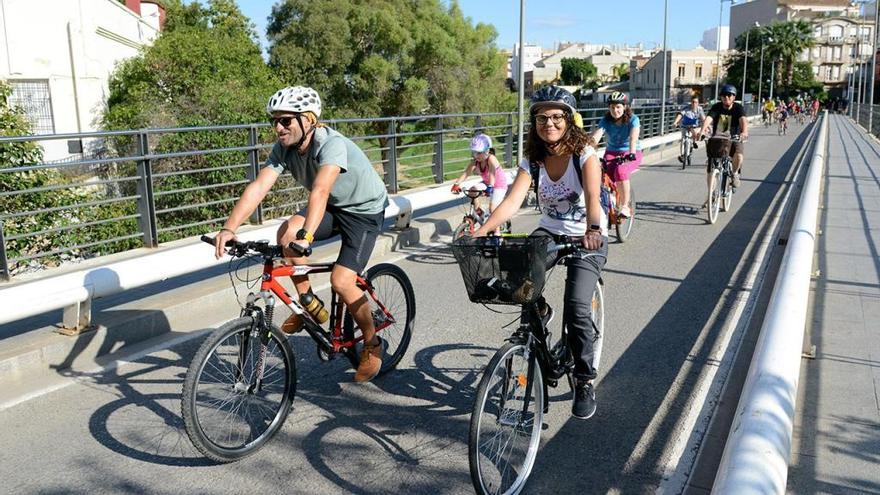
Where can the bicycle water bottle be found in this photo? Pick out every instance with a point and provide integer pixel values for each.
(314, 306)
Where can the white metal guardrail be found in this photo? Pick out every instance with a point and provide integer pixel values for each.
(755, 459)
(74, 291)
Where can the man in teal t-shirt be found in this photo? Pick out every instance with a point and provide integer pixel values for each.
(346, 197)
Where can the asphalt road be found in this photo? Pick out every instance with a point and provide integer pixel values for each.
(669, 291)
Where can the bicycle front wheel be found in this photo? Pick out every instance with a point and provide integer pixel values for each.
(714, 200)
(393, 289)
(598, 316)
(506, 422)
(238, 390)
(727, 192)
(465, 228)
(624, 225)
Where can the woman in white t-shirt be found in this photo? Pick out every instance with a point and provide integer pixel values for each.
(570, 209)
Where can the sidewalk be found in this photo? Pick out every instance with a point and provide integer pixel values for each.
(836, 441)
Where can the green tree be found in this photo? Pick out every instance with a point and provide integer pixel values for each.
(388, 57)
(577, 71)
(621, 72)
(783, 43)
(205, 68)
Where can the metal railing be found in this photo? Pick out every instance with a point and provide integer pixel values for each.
(141, 188)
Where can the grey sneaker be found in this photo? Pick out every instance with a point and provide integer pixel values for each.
(583, 406)
(735, 182)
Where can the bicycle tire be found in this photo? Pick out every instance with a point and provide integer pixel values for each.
(713, 199)
(480, 456)
(398, 335)
(686, 150)
(199, 394)
(597, 314)
(624, 226)
(726, 192)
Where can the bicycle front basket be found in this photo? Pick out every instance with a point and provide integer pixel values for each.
(502, 271)
(718, 147)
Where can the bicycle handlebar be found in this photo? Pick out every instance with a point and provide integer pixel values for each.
(238, 249)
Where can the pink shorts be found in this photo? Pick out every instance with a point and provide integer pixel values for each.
(621, 172)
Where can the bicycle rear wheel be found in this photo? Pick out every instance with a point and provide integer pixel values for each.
(714, 199)
(393, 289)
(238, 390)
(624, 225)
(506, 422)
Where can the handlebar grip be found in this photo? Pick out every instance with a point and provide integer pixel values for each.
(299, 250)
(210, 240)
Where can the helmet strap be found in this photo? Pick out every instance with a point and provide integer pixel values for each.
(303, 134)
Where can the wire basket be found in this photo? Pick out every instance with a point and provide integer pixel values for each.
(508, 270)
(718, 147)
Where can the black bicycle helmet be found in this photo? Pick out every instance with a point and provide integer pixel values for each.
(728, 89)
(553, 96)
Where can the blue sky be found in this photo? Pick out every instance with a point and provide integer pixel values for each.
(594, 21)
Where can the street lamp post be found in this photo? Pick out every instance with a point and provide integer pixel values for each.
(746, 63)
(665, 72)
(873, 65)
(772, 73)
(718, 48)
(761, 71)
(522, 76)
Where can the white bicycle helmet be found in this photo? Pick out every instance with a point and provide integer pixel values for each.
(481, 143)
(297, 99)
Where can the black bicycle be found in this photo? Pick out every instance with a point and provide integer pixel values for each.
(512, 396)
(720, 196)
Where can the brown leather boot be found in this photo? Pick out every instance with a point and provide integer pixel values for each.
(371, 362)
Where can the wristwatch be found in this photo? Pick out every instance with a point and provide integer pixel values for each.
(597, 228)
(304, 235)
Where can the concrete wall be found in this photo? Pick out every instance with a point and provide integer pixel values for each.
(74, 45)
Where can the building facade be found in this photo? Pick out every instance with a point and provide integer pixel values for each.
(842, 30)
(58, 56)
(711, 39)
(689, 72)
(531, 55)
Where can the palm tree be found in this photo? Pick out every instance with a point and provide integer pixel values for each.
(790, 39)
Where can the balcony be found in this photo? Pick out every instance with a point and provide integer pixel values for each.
(692, 81)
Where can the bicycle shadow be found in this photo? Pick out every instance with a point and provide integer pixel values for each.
(354, 433)
(669, 213)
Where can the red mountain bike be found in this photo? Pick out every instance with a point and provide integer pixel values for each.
(240, 384)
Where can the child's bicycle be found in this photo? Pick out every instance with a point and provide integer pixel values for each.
(475, 216)
(513, 393)
(240, 384)
(623, 225)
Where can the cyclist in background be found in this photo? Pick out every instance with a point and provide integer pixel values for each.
(622, 127)
(782, 117)
(727, 117)
(570, 211)
(691, 118)
(814, 109)
(485, 163)
(769, 109)
(346, 197)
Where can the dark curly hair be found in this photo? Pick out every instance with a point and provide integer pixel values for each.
(573, 141)
(624, 119)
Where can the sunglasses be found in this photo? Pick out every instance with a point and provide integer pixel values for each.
(284, 121)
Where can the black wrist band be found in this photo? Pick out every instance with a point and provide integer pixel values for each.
(596, 228)
(227, 230)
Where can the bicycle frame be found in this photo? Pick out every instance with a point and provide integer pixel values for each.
(330, 342)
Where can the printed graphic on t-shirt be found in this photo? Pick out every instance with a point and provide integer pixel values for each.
(723, 124)
(560, 202)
